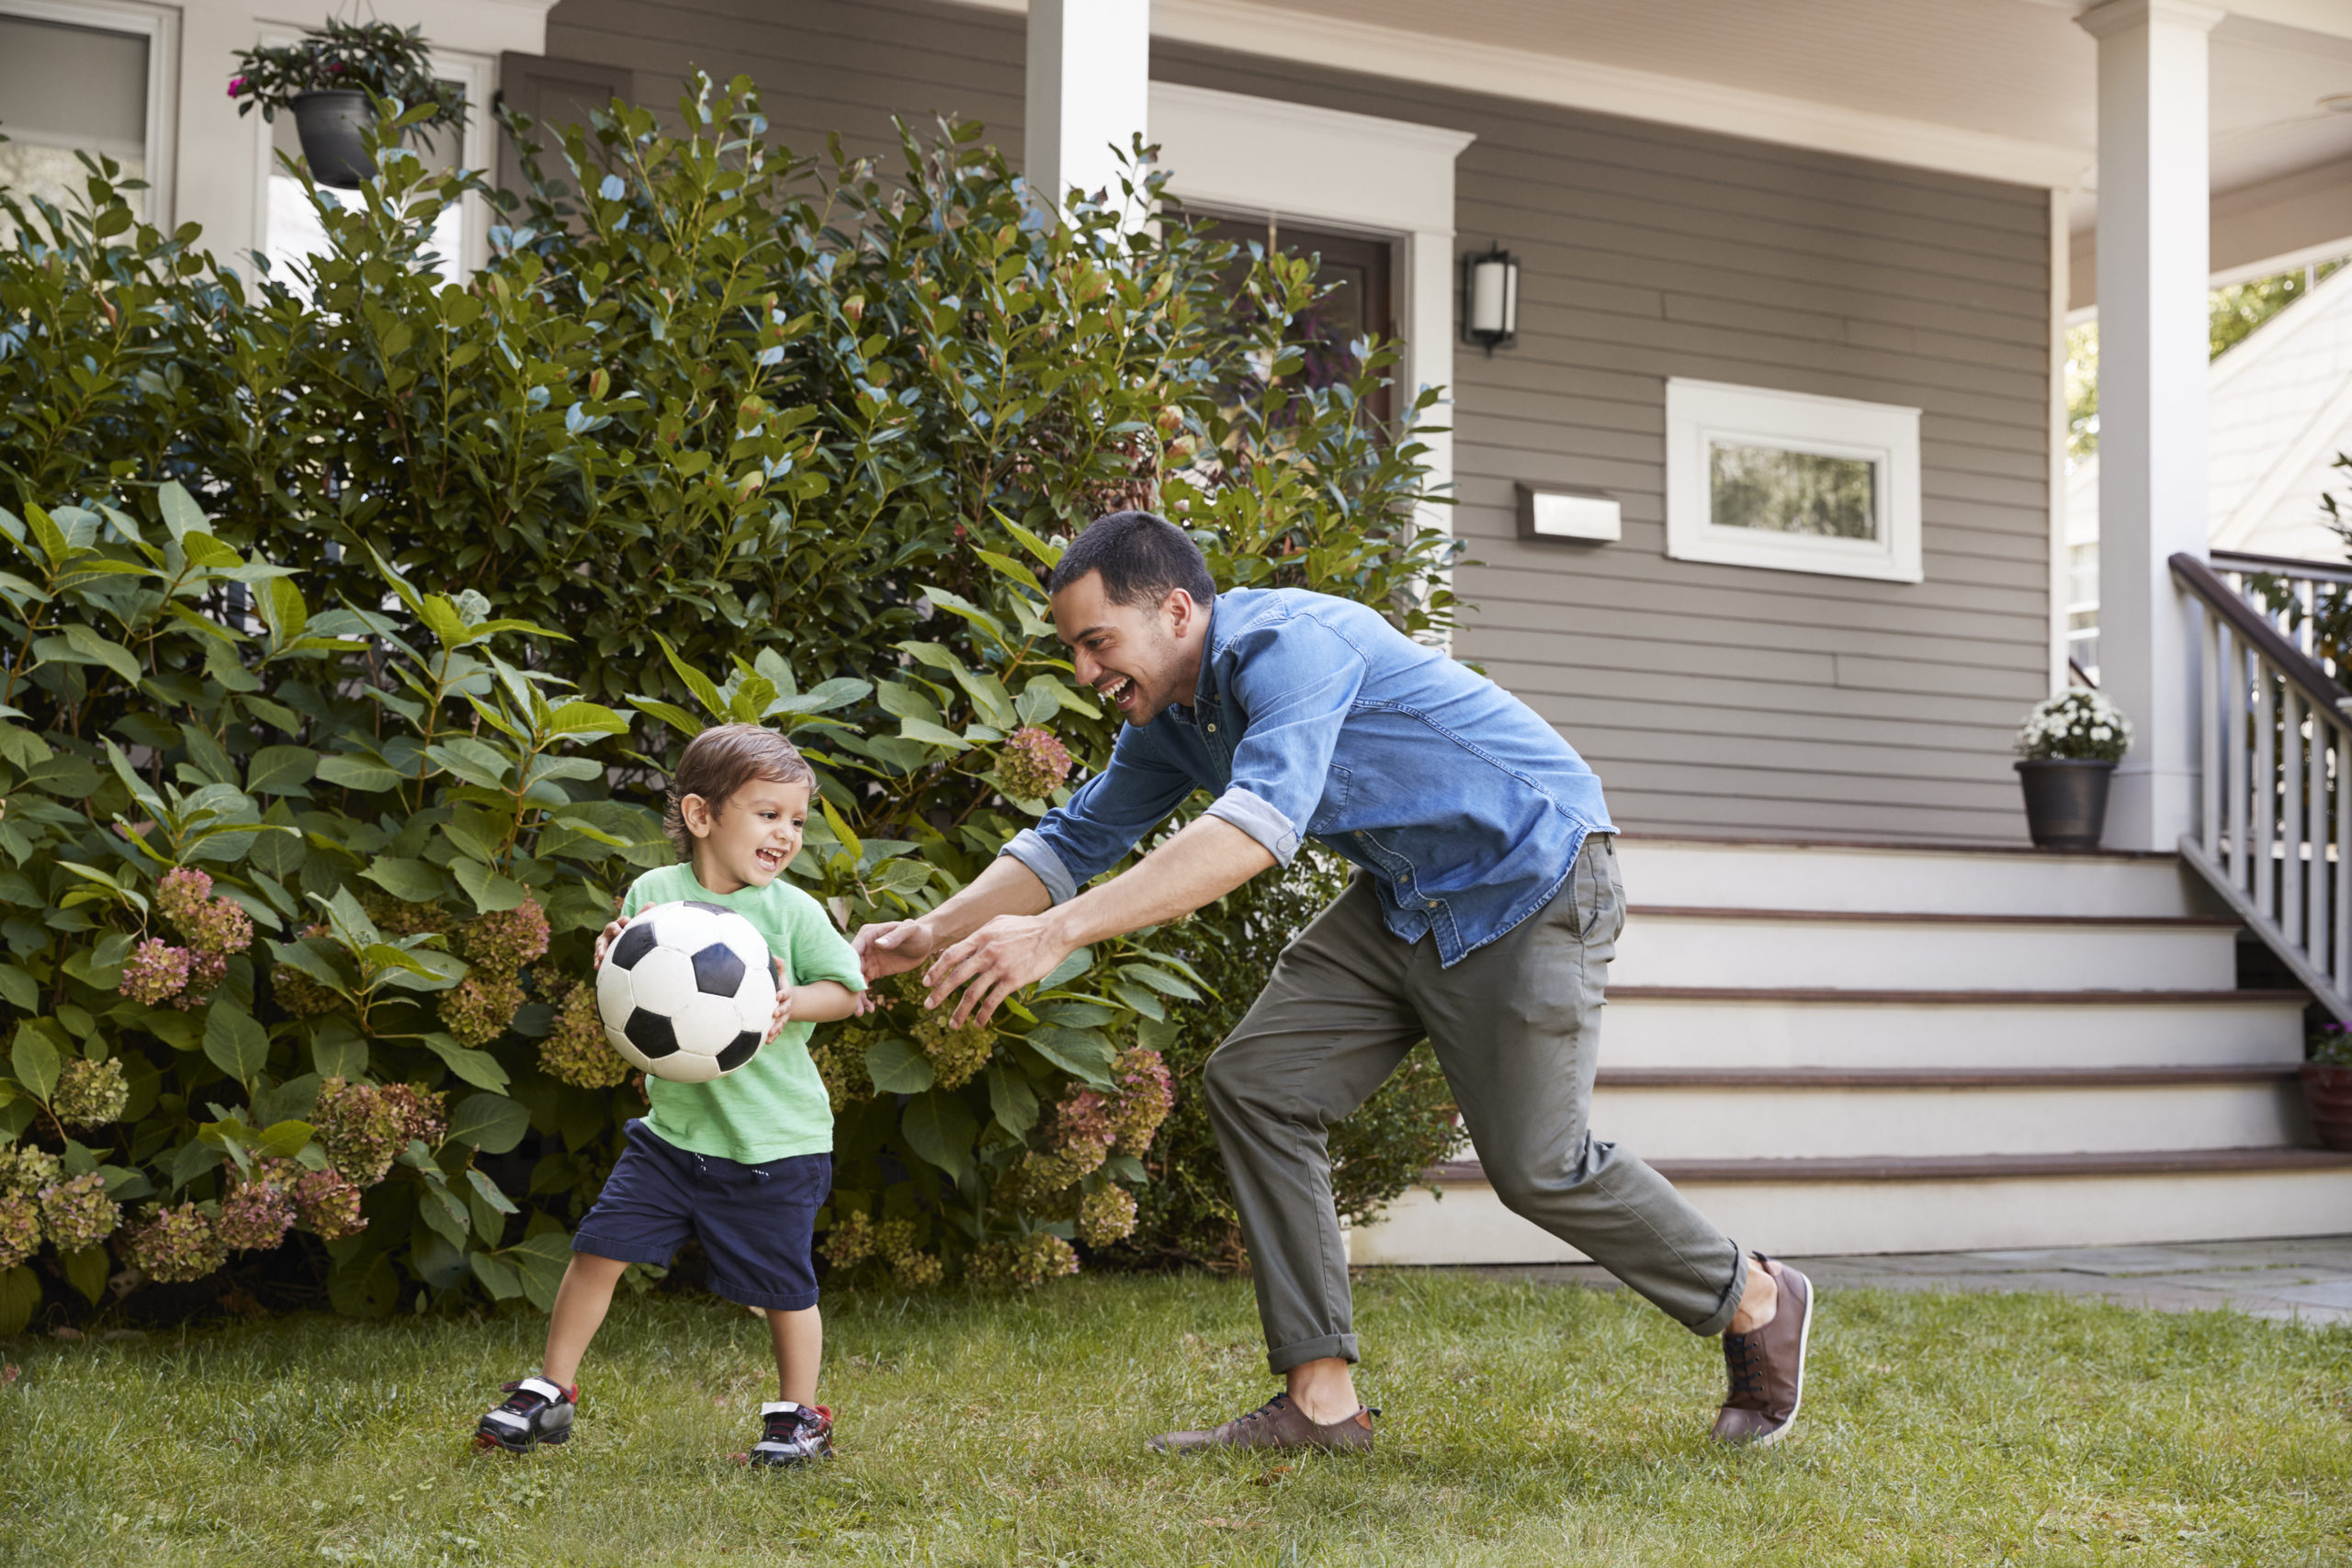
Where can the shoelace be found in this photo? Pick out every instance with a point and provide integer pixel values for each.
(1263, 1411)
(525, 1401)
(1746, 1363)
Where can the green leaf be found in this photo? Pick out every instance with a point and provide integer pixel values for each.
(541, 1259)
(585, 718)
(471, 760)
(364, 1286)
(284, 1140)
(489, 889)
(669, 714)
(479, 1068)
(85, 639)
(1082, 1052)
(281, 770)
(1068, 969)
(897, 1067)
(499, 1277)
(35, 1060)
(86, 1272)
(697, 681)
(355, 772)
(182, 516)
(931, 734)
(940, 1128)
(956, 605)
(1012, 570)
(17, 989)
(234, 1043)
(19, 1295)
(339, 1051)
(849, 840)
(443, 1214)
(1159, 980)
(1013, 1101)
(490, 1191)
(491, 1123)
(410, 881)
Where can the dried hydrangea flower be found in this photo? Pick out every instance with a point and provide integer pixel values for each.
(1032, 763)
(851, 1240)
(180, 893)
(917, 1270)
(893, 1239)
(505, 941)
(78, 1214)
(576, 1051)
(154, 972)
(1146, 1095)
(19, 1228)
(481, 1007)
(255, 1216)
(220, 926)
(1106, 1217)
(178, 1244)
(361, 1130)
(204, 970)
(957, 1054)
(25, 1170)
(90, 1094)
(420, 1111)
(1085, 1118)
(329, 1204)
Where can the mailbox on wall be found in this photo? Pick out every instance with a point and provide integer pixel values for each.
(1568, 515)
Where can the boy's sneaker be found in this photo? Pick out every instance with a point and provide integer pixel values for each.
(793, 1433)
(535, 1411)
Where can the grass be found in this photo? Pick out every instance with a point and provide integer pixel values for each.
(1525, 1424)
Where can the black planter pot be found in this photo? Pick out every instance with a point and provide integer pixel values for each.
(330, 122)
(2065, 802)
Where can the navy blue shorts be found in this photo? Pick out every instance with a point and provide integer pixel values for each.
(757, 1222)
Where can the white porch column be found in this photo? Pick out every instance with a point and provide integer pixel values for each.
(2153, 266)
(1089, 89)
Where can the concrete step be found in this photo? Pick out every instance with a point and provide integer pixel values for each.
(1864, 878)
(1921, 951)
(1829, 1207)
(1666, 1115)
(1705, 1026)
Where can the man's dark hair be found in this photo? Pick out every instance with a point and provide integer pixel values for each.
(1140, 556)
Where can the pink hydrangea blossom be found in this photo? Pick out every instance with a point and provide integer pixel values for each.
(154, 972)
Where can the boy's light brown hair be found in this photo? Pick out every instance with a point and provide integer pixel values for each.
(722, 759)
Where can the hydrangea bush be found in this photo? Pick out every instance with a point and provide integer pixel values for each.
(351, 629)
(2077, 724)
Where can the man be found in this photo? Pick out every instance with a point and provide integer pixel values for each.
(1484, 912)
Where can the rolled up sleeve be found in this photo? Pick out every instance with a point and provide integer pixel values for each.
(1297, 690)
(1108, 816)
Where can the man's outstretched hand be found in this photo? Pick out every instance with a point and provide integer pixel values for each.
(892, 947)
(1010, 952)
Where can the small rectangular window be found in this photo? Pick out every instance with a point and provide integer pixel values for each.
(1792, 481)
(66, 89)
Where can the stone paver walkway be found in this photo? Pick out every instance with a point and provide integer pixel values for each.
(2307, 1280)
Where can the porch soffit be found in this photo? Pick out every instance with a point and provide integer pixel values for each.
(1998, 89)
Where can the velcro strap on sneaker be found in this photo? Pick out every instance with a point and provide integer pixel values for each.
(508, 1418)
(541, 1387)
(781, 1407)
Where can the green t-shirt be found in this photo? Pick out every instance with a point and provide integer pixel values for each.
(774, 1105)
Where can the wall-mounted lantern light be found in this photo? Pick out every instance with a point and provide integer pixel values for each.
(1490, 299)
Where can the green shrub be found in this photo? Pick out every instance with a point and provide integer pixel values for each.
(384, 601)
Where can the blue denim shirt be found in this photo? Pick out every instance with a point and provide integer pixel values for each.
(1315, 716)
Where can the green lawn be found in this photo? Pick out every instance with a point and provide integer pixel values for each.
(1525, 1424)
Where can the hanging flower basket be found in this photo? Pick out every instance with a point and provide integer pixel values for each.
(330, 78)
(2067, 749)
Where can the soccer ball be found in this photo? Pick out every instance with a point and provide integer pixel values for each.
(686, 992)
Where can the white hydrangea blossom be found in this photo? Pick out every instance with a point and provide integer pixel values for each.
(2077, 723)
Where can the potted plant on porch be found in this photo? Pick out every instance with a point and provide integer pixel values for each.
(2067, 749)
(326, 79)
(2327, 1085)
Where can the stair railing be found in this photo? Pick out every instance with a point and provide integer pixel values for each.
(2275, 837)
(2292, 594)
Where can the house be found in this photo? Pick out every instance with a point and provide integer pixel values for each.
(1765, 499)
(2278, 412)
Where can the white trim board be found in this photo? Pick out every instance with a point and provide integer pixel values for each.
(1392, 177)
(1697, 412)
(1442, 61)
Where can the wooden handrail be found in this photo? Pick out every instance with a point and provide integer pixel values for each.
(2258, 633)
(2281, 566)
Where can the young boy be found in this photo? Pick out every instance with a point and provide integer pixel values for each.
(743, 1161)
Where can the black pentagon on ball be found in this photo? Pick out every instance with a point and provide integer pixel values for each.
(706, 903)
(735, 1055)
(718, 970)
(634, 944)
(650, 1033)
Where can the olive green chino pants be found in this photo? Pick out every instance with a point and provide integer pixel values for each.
(1515, 1025)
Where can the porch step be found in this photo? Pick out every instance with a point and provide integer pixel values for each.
(1720, 1026)
(1921, 951)
(1865, 878)
(1950, 1204)
(1731, 1114)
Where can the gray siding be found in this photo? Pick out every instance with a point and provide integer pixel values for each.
(1718, 699)
(822, 65)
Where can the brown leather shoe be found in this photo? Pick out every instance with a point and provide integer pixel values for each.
(1277, 1424)
(1767, 1366)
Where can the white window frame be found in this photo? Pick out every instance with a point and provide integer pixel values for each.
(1329, 168)
(478, 74)
(161, 28)
(1699, 413)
